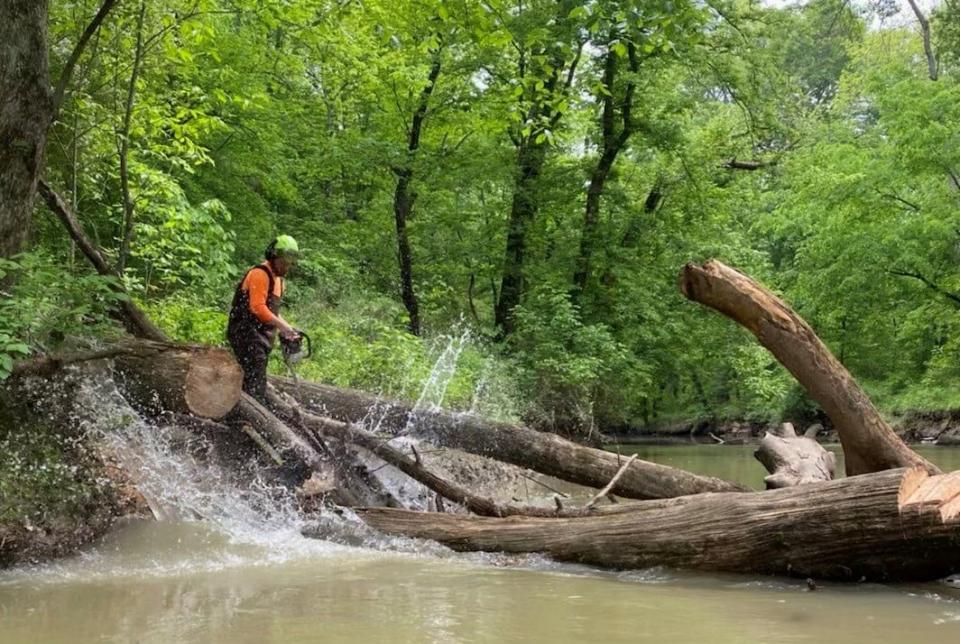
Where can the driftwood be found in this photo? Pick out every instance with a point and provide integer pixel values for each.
(869, 443)
(515, 444)
(894, 525)
(897, 524)
(794, 460)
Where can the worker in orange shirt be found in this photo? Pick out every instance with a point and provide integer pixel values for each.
(255, 314)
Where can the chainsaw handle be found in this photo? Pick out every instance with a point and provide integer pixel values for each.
(308, 343)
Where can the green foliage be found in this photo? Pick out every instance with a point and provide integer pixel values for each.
(189, 321)
(252, 119)
(563, 359)
(179, 245)
(41, 308)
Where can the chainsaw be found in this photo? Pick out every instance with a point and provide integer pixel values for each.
(296, 349)
(293, 352)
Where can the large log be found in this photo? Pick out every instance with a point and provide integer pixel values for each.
(869, 443)
(893, 525)
(199, 380)
(515, 444)
(352, 434)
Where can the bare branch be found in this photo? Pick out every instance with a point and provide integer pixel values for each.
(894, 197)
(132, 318)
(936, 288)
(71, 64)
(734, 164)
(932, 63)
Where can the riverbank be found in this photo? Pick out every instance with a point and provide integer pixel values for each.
(914, 427)
(60, 489)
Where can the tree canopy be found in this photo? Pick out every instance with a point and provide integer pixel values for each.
(530, 173)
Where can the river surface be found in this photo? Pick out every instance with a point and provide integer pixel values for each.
(238, 576)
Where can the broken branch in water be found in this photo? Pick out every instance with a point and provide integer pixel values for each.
(602, 493)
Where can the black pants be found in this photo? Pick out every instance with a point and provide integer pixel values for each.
(252, 356)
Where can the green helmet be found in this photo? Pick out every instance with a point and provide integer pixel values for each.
(286, 246)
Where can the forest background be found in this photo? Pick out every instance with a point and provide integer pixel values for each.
(520, 182)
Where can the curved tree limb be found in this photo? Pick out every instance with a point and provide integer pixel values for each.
(936, 288)
(869, 443)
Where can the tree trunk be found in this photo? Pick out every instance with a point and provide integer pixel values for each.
(523, 211)
(348, 433)
(869, 444)
(203, 381)
(933, 66)
(893, 525)
(794, 460)
(404, 197)
(402, 209)
(26, 110)
(612, 142)
(515, 444)
(123, 151)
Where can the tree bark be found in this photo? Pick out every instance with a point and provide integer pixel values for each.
(543, 452)
(932, 64)
(26, 111)
(893, 525)
(869, 444)
(348, 433)
(794, 460)
(198, 380)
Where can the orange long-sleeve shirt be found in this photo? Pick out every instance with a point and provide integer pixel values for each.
(256, 284)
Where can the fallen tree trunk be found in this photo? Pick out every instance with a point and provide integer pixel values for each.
(515, 444)
(869, 443)
(794, 460)
(893, 525)
(199, 380)
(412, 467)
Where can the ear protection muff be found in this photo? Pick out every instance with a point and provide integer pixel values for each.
(271, 250)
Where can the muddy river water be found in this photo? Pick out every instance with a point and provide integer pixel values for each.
(246, 577)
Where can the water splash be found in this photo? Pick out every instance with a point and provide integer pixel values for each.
(224, 516)
(434, 388)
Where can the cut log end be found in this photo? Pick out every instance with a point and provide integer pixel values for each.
(213, 383)
(933, 495)
(203, 381)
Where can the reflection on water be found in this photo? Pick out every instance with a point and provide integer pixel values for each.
(182, 581)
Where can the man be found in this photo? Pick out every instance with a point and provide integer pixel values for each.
(255, 314)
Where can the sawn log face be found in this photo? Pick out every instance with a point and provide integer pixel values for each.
(863, 527)
(199, 380)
